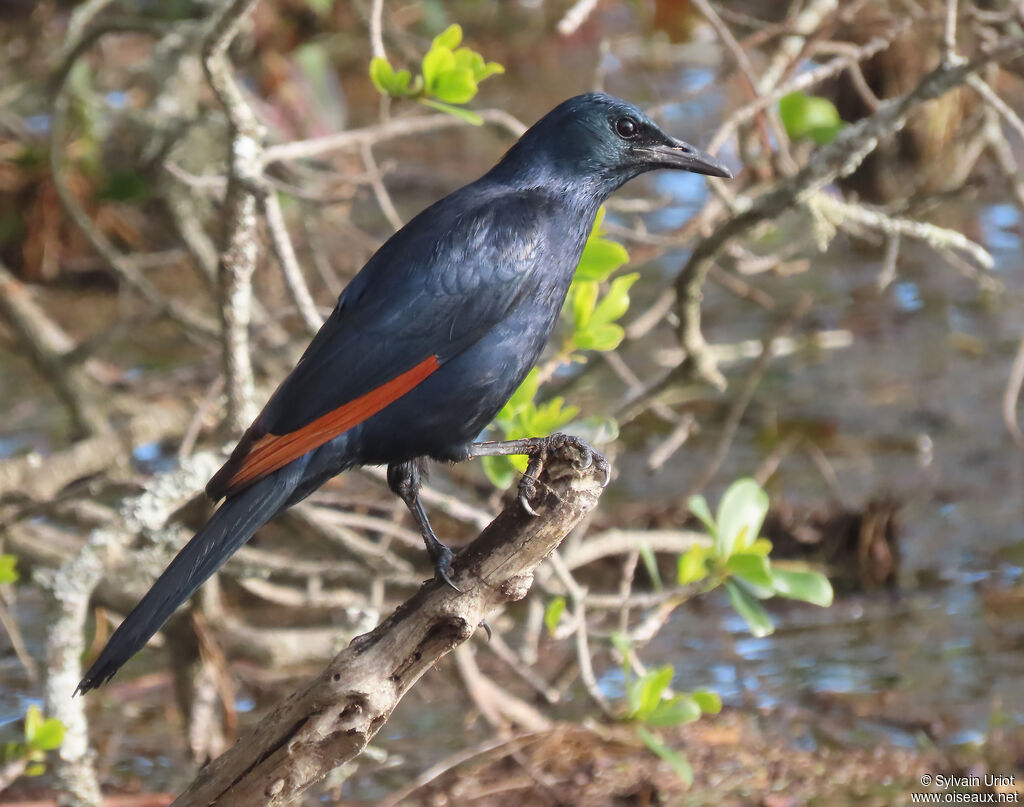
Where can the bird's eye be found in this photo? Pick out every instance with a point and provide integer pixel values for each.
(627, 128)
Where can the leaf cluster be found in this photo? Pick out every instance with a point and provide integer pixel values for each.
(449, 75)
(41, 735)
(738, 558)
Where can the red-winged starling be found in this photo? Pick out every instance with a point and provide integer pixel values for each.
(427, 342)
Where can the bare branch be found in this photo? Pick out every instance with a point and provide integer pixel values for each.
(837, 159)
(396, 127)
(285, 253)
(332, 719)
(241, 242)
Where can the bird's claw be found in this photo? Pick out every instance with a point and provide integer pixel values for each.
(527, 488)
(487, 628)
(587, 455)
(442, 557)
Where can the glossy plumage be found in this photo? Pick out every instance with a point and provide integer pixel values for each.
(427, 342)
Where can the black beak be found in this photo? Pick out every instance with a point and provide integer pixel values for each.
(684, 157)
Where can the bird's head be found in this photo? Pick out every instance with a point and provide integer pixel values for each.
(601, 142)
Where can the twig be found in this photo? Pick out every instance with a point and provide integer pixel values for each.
(746, 395)
(124, 268)
(380, 192)
(940, 238)
(49, 347)
(839, 158)
(577, 594)
(575, 16)
(331, 720)
(377, 29)
(285, 253)
(393, 128)
(241, 242)
(990, 97)
(1012, 394)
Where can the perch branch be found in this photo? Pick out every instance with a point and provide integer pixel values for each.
(332, 719)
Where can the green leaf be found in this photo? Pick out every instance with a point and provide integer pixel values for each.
(489, 69)
(674, 712)
(600, 258)
(438, 60)
(679, 764)
(616, 302)
(698, 505)
(709, 702)
(499, 470)
(651, 564)
(553, 614)
(741, 513)
(400, 83)
(33, 721)
(751, 567)
(584, 298)
(548, 417)
(449, 38)
(320, 7)
(747, 606)
(648, 690)
(806, 586)
(692, 566)
(35, 769)
(381, 74)
(8, 572)
(762, 546)
(467, 115)
(524, 395)
(455, 86)
(599, 337)
(48, 735)
(810, 116)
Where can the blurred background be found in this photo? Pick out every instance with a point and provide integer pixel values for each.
(869, 338)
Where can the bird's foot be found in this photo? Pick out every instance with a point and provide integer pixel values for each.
(442, 556)
(586, 456)
(487, 628)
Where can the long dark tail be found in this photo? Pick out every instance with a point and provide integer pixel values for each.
(232, 525)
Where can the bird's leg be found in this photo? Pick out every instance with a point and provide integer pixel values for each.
(404, 480)
(537, 449)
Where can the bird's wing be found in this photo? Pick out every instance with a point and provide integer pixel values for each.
(435, 288)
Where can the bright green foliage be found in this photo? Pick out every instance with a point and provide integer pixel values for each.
(810, 116)
(651, 704)
(8, 570)
(739, 558)
(593, 316)
(41, 735)
(601, 256)
(449, 75)
(522, 416)
(553, 614)
(651, 564)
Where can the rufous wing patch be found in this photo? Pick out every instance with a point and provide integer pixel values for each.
(273, 451)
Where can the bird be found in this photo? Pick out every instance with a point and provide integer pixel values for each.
(425, 344)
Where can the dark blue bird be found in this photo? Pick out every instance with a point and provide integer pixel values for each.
(427, 342)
